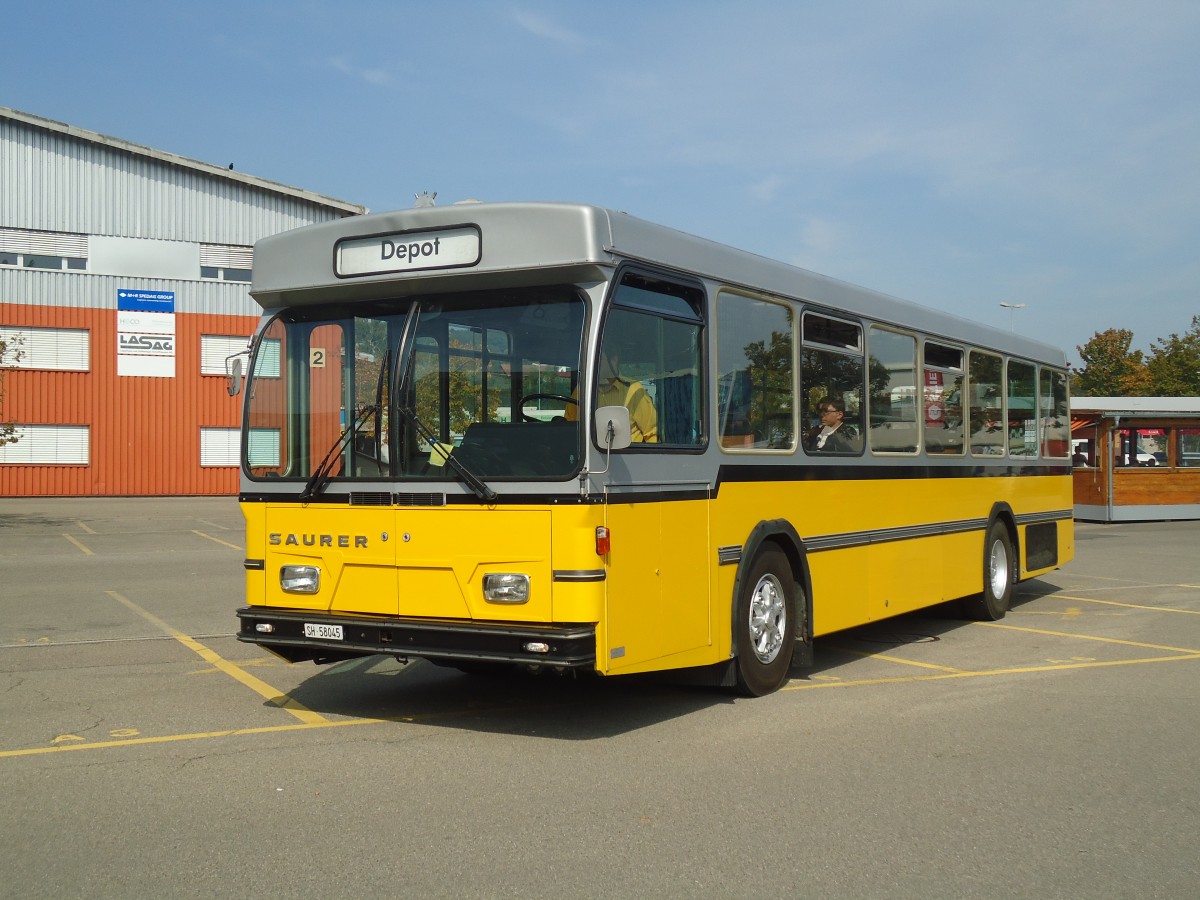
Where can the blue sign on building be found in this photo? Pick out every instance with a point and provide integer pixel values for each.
(145, 301)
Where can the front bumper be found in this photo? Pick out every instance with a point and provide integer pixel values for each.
(571, 646)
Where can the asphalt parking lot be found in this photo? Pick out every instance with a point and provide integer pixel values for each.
(145, 752)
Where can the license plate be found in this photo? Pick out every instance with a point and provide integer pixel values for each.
(324, 632)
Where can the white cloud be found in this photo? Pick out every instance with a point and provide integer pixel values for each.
(377, 76)
(543, 27)
(766, 189)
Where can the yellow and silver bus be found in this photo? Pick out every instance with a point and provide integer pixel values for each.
(554, 435)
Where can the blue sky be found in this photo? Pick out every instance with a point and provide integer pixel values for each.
(958, 154)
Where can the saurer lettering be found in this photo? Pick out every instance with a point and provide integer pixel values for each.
(279, 539)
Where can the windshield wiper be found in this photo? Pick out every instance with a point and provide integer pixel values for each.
(474, 482)
(321, 477)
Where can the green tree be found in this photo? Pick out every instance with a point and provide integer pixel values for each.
(10, 354)
(1111, 369)
(770, 374)
(1174, 364)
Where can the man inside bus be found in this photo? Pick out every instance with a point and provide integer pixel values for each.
(615, 390)
(832, 435)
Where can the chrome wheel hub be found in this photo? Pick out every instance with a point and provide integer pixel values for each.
(768, 618)
(998, 569)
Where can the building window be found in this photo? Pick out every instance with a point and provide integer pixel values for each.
(216, 348)
(42, 445)
(42, 261)
(57, 349)
(1187, 451)
(226, 262)
(43, 249)
(216, 273)
(219, 447)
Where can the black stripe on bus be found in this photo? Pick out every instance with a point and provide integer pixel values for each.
(731, 473)
(849, 539)
(890, 535)
(883, 472)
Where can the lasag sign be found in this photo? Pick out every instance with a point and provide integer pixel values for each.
(145, 333)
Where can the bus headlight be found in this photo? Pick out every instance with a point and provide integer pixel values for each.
(300, 579)
(506, 587)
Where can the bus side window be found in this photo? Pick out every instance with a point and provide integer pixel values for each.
(650, 359)
(755, 370)
(1021, 378)
(942, 387)
(832, 370)
(1055, 419)
(892, 399)
(985, 382)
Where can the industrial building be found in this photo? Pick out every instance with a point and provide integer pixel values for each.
(124, 285)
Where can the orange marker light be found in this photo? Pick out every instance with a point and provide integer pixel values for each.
(603, 545)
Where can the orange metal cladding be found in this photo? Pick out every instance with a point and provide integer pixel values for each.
(144, 433)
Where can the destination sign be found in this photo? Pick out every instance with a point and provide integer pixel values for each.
(408, 251)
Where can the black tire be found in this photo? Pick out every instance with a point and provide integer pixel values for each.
(765, 627)
(1000, 574)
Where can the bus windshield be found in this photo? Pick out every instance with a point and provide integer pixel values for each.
(393, 390)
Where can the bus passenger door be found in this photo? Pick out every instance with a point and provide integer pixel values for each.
(657, 591)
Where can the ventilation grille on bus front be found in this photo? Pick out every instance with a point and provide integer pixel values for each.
(420, 499)
(383, 498)
(370, 498)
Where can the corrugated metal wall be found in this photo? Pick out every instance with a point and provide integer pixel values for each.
(39, 287)
(144, 433)
(55, 182)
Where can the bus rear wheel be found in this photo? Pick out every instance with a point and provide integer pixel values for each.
(999, 577)
(765, 624)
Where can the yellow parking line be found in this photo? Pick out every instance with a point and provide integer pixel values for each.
(260, 687)
(989, 673)
(895, 659)
(79, 545)
(1166, 609)
(170, 738)
(84, 527)
(1088, 637)
(217, 540)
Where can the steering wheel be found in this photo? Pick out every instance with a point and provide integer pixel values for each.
(528, 397)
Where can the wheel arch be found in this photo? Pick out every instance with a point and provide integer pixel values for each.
(1003, 514)
(782, 534)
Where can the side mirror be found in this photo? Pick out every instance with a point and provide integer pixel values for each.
(612, 428)
(234, 366)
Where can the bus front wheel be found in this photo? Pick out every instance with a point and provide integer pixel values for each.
(766, 624)
(999, 577)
